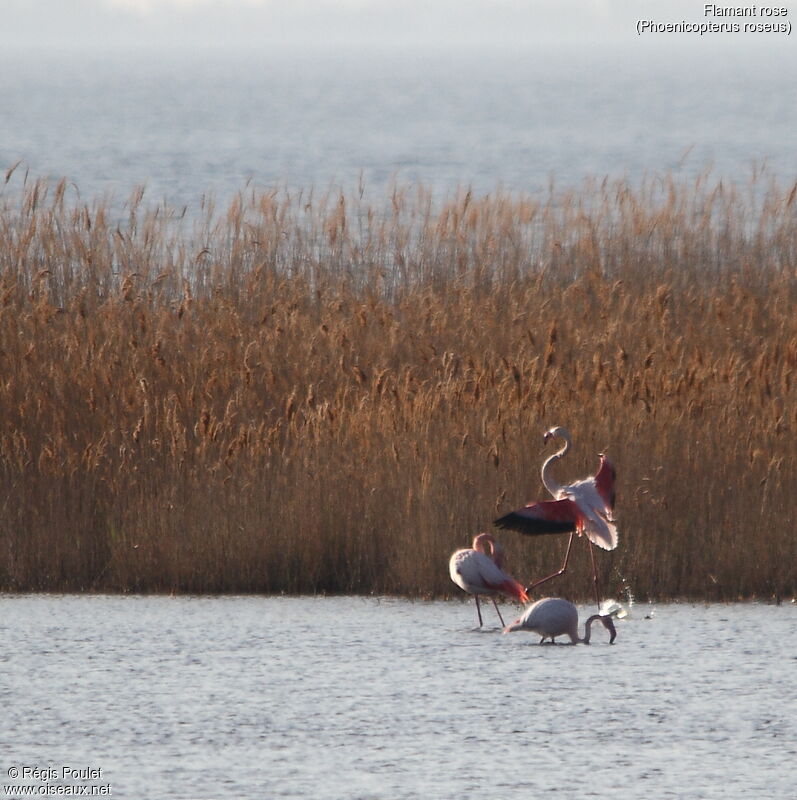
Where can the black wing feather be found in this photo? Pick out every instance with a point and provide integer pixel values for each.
(531, 526)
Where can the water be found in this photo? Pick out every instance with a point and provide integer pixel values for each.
(190, 124)
(253, 697)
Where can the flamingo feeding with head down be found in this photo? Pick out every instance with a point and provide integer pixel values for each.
(478, 573)
(584, 507)
(553, 616)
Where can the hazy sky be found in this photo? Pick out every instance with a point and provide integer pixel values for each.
(222, 22)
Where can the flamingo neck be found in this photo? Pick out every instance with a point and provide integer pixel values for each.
(482, 542)
(550, 484)
(485, 540)
(588, 628)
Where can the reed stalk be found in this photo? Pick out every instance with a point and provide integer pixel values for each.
(318, 394)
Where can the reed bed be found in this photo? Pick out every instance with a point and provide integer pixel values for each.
(316, 393)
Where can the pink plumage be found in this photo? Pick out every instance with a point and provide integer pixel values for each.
(478, 573)
(585, 507)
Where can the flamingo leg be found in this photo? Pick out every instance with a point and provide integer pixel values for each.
(478, 610)
(503, 624)
(594, 574)
(559, 572)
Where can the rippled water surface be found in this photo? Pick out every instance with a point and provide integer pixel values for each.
(190, 123)
(255, 697)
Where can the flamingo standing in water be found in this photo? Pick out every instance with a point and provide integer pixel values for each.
(584, 507)
(553, 616)
(476, 572)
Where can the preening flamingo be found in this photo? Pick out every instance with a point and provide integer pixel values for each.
(553, 616)
(584, 507)
(478, 573)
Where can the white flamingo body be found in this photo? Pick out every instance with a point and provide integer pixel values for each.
(481, 574)
(554, 616)
(477, 573)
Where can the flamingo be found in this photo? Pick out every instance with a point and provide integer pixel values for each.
(473, 570)
(584, 507)
(553, 616)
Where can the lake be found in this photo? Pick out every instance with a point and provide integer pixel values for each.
(186, 124)
(349, 697)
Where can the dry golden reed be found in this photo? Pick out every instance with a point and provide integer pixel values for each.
(314, 393)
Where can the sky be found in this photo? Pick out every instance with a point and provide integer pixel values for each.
(83, 23)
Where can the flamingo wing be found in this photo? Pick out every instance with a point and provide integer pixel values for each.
(550, 516)
(477, 573)
(602, 531)
(604, 482)
(595, 516)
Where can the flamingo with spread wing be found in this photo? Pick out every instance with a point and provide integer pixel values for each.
(584, 507)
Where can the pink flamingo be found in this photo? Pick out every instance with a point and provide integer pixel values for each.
(553, 616)
(584, 507)
(476, 572)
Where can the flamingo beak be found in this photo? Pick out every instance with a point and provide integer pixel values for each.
(547, 435)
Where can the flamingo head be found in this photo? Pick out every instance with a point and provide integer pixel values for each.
(557, 430)
(482, 540)
(608, 623)
(485, 540)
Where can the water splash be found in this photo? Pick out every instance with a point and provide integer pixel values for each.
(616, 608)
(613, 608)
